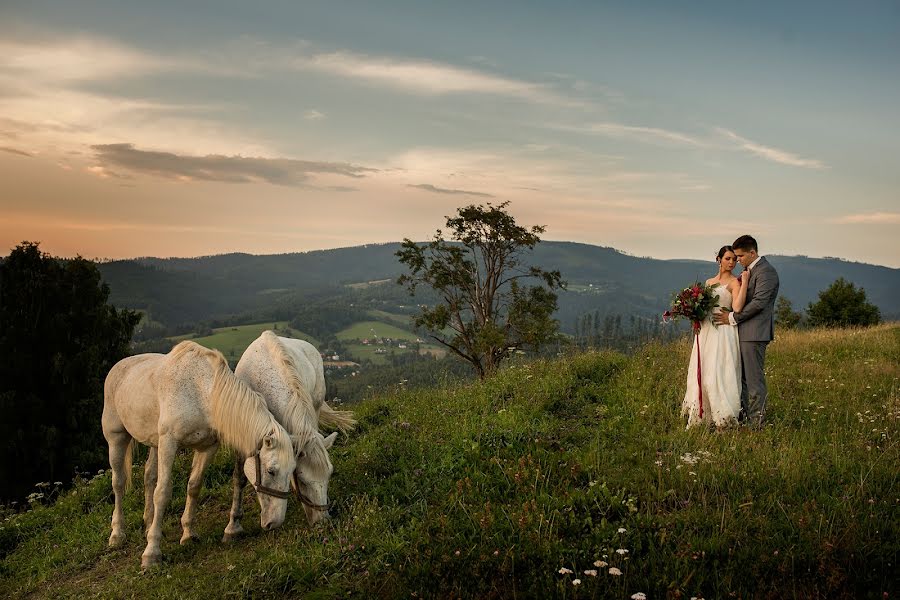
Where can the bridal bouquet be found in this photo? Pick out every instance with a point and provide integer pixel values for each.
(694, 302)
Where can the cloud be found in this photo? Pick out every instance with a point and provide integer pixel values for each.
(313, 115)
(873, 218)
(77, 59)
(212, 167)
(437, 190)
(16, 151)
(773, 154)
(426, 77)
(643, 134)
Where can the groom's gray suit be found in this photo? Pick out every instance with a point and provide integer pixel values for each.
(756, 328)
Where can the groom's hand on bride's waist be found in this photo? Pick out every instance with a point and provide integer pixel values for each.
(722, 318)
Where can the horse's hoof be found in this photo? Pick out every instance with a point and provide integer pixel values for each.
(189, 539)
(231, 537)
(149, 561)
(116, 540)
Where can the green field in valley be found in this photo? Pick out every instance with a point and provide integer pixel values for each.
(352, 337)
(389, 317)
(373, 329)
(232, 341)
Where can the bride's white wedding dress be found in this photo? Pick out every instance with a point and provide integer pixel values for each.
(720, 368)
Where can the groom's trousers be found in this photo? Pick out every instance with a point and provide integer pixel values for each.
(753, 382)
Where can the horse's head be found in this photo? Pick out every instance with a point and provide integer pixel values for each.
(270, 470)
(312, 474)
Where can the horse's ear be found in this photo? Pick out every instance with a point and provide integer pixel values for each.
(329, 441)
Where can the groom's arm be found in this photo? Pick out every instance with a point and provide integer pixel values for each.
(765, 292)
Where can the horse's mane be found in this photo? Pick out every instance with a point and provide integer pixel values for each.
(305, 404)
(301, 417)
(238, 413)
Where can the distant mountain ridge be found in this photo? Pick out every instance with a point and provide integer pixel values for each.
(601, 279)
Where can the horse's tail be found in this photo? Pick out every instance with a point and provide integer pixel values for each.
(341, 419)
(129, 452)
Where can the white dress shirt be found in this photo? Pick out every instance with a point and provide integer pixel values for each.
(753, 264)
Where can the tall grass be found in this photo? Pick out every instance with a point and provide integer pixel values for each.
(491, 489)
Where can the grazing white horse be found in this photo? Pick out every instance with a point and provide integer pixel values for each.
(289, 375)
(189, 398)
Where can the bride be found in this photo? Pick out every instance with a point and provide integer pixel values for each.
(720, 354)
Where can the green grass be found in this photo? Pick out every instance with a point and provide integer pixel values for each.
(389, 317)
(364, 329)
(382, 329)
(489, 489)
(232, 341)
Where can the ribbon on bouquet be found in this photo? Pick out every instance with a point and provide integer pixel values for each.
(696, 326)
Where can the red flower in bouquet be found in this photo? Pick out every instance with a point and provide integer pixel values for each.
(694, 302)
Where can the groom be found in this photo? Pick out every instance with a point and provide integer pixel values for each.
(756, 324)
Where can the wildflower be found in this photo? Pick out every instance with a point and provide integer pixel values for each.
(622, 530)
(456, 553)
(614, 571)
(591, 572)
(622, 551)
(231, 567)
(576, 582)
(639, 596)
(564, 571)
(600, 563)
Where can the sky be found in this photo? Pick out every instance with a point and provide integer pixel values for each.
(663, 129)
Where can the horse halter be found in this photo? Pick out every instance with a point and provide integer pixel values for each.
(261, 489)
(302, 498)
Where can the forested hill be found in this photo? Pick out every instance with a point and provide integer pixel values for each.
(177, 290)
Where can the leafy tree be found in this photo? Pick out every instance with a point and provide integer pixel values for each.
(785, 316)
(488, 306)
(842, 304)
(58, 340)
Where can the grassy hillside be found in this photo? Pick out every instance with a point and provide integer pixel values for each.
(548, 466)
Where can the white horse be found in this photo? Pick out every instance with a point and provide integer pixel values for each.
(289, 375)
(189, 397)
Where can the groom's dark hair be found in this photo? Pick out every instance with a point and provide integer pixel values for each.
(745, 242)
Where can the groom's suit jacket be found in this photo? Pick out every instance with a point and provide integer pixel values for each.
(756, 321)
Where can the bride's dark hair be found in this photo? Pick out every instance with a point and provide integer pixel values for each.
(722, 252)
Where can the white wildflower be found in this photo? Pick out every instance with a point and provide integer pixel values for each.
(614, 571)
(591, 572)
(564, 571)
(600, 563)
(639, 596)
(622, 530)
(576, 582)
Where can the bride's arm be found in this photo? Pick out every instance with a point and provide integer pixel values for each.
(739, 298)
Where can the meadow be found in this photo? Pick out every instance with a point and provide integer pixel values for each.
(353, 335)
(569, 478)
(232, 341)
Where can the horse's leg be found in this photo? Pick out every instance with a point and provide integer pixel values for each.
(202, 459)
(149, 487)
(238, 481)
(161, 496)
(118, 449)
